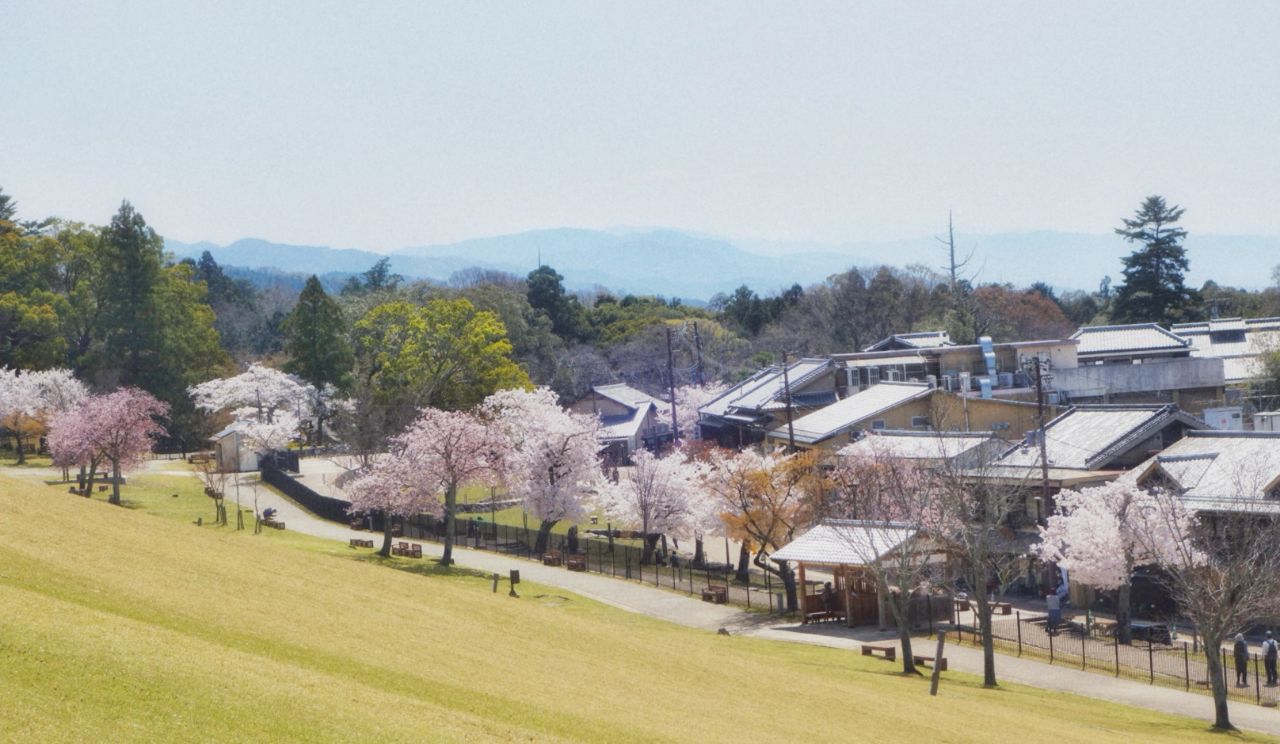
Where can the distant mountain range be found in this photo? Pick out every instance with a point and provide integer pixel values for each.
(692, 266)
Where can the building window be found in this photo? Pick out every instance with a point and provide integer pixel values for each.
(877, 424)
(920, 422)
(1000, 426)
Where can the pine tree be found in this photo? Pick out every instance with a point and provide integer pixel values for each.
(1154, 290)
(316, 336)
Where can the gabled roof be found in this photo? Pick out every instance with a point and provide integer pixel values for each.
(624, 395)
(1124, 339)
(1219, 470)
(918, 340)
(1091, 437)
(922, 445)
(842, 415)
(846, 542)
(765, 389)
(1240, 356)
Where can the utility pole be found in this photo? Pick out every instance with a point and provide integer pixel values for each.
(697, 345)
(1040, 436)
(786, 391)
(671, 383)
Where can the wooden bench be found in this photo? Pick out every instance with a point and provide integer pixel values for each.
(576, 562)
(715, 593)
(358, 543)
(824, 616)
(888, 652)
(1001, 608)
(357, 525)
(551, 559)
(198, 459)
(929, 661)
(273, 524)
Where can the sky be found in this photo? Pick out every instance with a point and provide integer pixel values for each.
(380, 125)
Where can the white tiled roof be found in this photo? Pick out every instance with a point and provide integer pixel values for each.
(624, 394)
(918, 445)
(1217, 470)
(918, 340)
(764, 387)
(1117, 339)
(1239, 357)
(846, 542)
(835, 418)
(1086, 437)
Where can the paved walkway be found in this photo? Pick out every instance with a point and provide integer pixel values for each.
(687, 611)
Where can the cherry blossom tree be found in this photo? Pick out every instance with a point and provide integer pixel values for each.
(659, 494)
(1221, 567)
(73, 443)
(117, 428)
(30, 399)
(439, 453)
(689, 398)
(259, 394)
(1094, 534)
(555, 462)
(877, 491)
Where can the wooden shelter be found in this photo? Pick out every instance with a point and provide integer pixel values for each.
(846, 548)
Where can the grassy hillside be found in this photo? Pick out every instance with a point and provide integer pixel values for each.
(119, 624)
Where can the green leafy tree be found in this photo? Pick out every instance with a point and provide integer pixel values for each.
(316, 339)
(379, 278)
(546, 293)
(441, 354)
(1154, 290)
(132, 266)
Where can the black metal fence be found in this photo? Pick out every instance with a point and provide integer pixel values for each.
(611, 558)
(324, 507)
(1172, 663)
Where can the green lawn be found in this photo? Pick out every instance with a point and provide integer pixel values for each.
(116, 625)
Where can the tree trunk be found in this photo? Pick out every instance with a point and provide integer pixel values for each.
(699, 554)
(789, 585)
(386, 536)
(744, 564)
(900, 606)
(22, 454)
(450, 502)
(544, 536)
(650, 544)
(982, 607)
(87, 488)
(115, 482)
(1217, 683)
(1124, 629)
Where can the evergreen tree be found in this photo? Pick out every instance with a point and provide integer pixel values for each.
(316, 339)
(546, 293)
(1154, 290)
(132, 261)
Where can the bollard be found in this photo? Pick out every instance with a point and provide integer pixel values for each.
(495, 583)
(515, 579)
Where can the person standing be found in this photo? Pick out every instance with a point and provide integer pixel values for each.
(1241, 652)
(1054, 605)
(1270, 651)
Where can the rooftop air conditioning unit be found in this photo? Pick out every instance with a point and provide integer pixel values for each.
(964, 382)
(1005, 379)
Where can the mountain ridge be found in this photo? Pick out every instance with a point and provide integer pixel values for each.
(676, 263)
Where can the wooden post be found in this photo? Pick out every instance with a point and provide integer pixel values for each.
(937, 663)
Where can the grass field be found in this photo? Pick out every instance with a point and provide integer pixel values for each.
(118, 625)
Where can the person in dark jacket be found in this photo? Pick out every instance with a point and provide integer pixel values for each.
(1241, 652)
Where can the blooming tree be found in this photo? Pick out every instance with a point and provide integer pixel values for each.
(29, 400)
(555, 462)
(660, 494)
(765, 499)
(117, 428)
(1221, 568)
(689, 398)
(261, 395)
(440, 452)
(877, 491)
(1094, 534)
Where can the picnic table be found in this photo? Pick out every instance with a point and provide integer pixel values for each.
(715, 593)
(576, 562)
(551, 559)
(408, 550)
(1152, 632)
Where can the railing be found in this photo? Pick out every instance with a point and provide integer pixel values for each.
(1174, 663)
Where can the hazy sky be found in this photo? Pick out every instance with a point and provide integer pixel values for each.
(380, 125)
